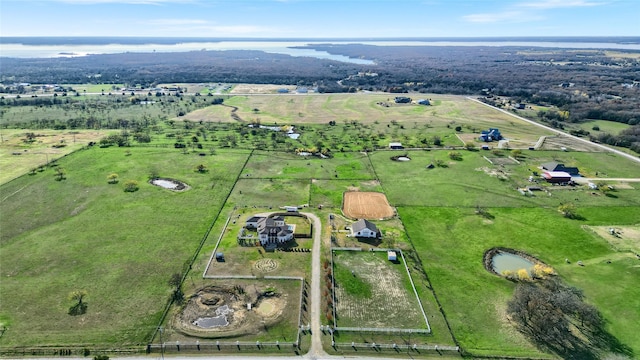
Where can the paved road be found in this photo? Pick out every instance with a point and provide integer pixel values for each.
(604, 147)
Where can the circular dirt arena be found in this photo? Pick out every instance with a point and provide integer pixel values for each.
(366, 205)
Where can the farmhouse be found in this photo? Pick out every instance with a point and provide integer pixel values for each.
(395, 146)
(556, 177)
(271, 230)
(490, 135)
(554, 166)
(364, 228)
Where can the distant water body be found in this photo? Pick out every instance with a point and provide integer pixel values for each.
(48, 47)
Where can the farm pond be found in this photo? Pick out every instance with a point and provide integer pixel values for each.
(504, 261)
(169, 184)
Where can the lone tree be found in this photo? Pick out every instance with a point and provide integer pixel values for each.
(112, 178)
(202, 169)
(568, 210)
(79, 307)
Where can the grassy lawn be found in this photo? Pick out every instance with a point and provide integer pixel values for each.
(451, 243)
(279, 165)
(83, 233)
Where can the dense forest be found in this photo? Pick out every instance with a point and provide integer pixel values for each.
(583, 84)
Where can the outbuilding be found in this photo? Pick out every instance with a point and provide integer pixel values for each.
(395, 146)
(557, 177)
(392, 256)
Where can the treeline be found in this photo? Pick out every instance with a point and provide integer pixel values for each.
(587, 84)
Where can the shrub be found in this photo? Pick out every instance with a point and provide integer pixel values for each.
(454, 155)
(523, 275)
(131, 186)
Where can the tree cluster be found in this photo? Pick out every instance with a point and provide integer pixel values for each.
(555, 317)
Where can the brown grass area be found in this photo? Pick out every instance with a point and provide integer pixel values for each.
(260, 88)
(18, 157)
(558, 142)
(366, 205)
(212, 113)
(627, 238)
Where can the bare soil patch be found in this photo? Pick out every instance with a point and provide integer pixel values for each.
(559, 142)
(266, 309)
(625, 238)
(366, 205)
(260, 88)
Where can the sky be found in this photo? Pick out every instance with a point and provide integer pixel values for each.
(319, 18)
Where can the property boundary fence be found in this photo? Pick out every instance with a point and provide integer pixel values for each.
(386, 330)
(210, 346)
(407, 347)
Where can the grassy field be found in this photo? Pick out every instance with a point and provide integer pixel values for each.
(19, 155)
(374, 292)
(82, 233)
(85, 234)
(451, 244)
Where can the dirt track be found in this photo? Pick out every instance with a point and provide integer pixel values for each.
(366, 205)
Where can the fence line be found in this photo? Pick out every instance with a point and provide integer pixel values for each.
(217, 345)
(398, 346)
(229, 277)
(413, 286)
(387, 330)
(213, 253)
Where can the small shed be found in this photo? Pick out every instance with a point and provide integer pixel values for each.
(219, 257)
(395, 146)
(392, 256)
(291, 208)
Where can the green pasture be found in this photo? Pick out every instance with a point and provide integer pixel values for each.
(328, 193)
(605, 126)
(269, 193)
(460, 183)
(473, 181)
(451, 243)
(82, 233)
(279, 165)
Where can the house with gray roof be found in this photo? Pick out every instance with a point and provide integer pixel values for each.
(556, 166)
(364, 228)
(271, 230)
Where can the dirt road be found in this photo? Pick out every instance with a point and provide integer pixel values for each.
(316, 350)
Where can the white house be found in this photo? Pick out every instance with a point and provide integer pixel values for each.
(271, 230)
(364, 228)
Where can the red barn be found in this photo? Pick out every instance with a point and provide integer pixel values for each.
(556, 176)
